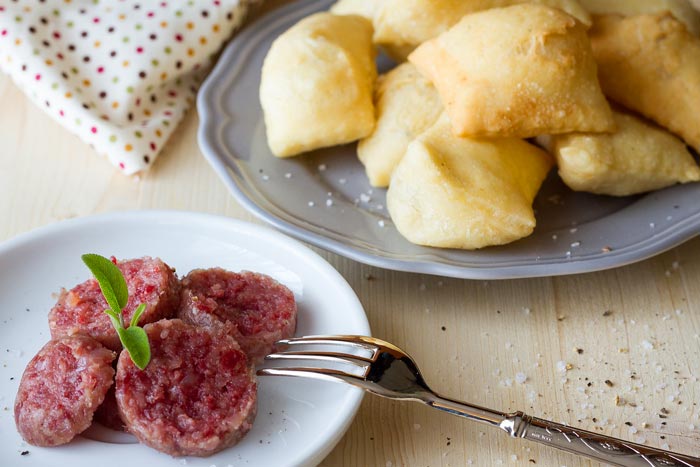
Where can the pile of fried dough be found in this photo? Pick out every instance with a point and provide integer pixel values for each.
(451, 129)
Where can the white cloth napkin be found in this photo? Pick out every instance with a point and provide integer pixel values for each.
(120, 74)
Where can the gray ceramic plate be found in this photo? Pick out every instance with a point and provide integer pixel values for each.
(325, 199)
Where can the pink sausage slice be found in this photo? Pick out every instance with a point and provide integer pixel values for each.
(81, 309)
(61, 388)
(254, 308)
(197, 395)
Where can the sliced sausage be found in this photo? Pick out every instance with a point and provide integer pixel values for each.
(81, 309)
(256, 309)
(197, 395)
(61, 388)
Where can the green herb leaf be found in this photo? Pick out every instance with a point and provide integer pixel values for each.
(110, 279)
(115, 317)
(135, 341)
(113, 287)
(137, 314)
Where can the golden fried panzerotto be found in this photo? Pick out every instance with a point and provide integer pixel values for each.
(637, 158)
(406, 105)
(465, 193)
(681, 9)
(518, 71)
(316, 84)
(364, 8)
(408, 23)
(651, 64)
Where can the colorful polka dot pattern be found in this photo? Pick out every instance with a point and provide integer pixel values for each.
(118, 73)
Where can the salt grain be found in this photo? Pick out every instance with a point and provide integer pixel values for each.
(342, 181)
(311, 204)
(554, 236)
(288, 175)
(265, 177)
(575, 244)
(416, 426)
(365, 198)
(329, 202)
(322, 167)
(573, 230)
(647, 345)
(652, 225)
(563, 367)
(509, 346)
(520, 378)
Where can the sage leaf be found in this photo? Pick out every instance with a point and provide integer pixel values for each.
(135, 341)
(110, 278)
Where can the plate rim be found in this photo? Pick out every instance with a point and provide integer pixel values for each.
(354, 396)
(213, 119)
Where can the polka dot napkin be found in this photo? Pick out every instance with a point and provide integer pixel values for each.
(118, 73)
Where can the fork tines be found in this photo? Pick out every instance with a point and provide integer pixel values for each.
(343, 358)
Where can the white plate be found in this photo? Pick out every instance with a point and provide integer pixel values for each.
(299, 421)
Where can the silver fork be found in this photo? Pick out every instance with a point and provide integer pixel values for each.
(383, 369)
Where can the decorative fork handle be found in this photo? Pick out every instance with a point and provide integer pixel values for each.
(596, 446)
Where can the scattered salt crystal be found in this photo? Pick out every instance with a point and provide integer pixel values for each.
(509, 346)
(499, 461)
(416, 426)
(497, 372)
(288, 175)
(562, 366)
(647, 345)
(381, 223)
(513, 457)
(665, 446)
(507, 382)
(633, 430)
(265, 177)
(329, 202)
(679, 312)
(568, 253)
(470, 461)
(183, 461)
(342, 181)
(670, 398)
(440, 283)
(668, 273)
(365, 198)
(520, 378)
(666, 317)
(389, 464)
(575, 244)
(640, 440)
(675, 265)
(668, 218)
(380, 206)
(554, 236)
(691, 427)
(311, 204)
(322, 167)
(526, 310)
(422, 287)
(573, 230)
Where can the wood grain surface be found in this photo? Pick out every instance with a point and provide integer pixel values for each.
(630, 336)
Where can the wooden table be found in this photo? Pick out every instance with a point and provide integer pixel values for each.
(631, 335)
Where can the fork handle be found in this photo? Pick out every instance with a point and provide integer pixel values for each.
(596, 446)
